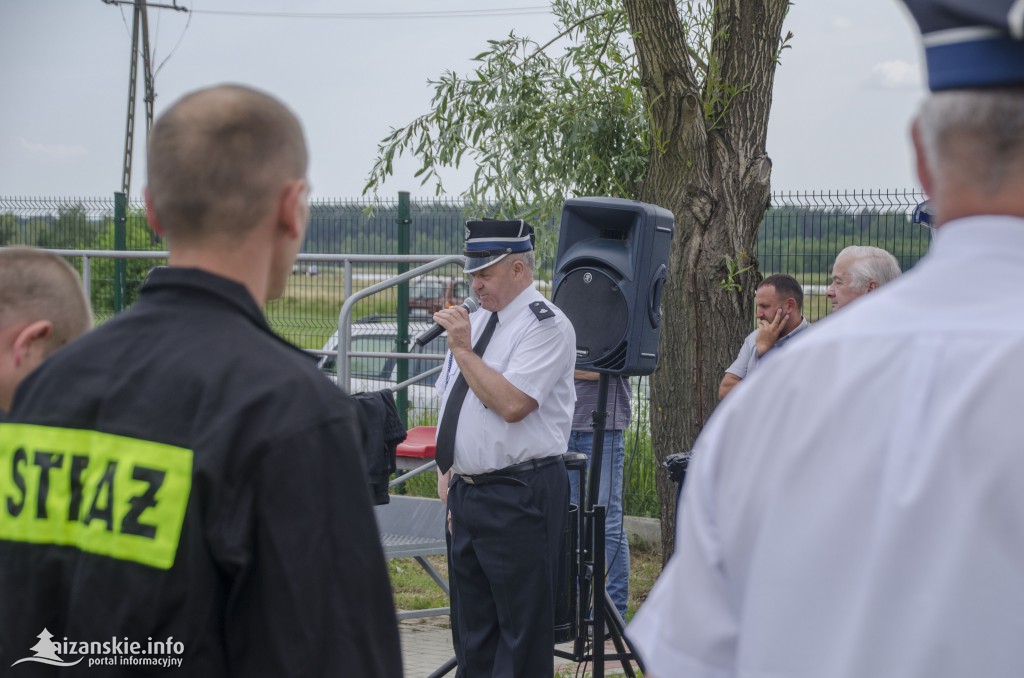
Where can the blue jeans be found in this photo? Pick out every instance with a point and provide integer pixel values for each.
(616, 551)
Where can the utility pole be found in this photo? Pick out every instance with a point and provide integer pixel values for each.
(139, 19)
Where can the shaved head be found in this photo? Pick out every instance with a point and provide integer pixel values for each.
(218, 159)
(39, 285)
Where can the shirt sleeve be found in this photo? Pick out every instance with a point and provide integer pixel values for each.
(743, 360)
(315, 598)
(687, 626)
(542, 358)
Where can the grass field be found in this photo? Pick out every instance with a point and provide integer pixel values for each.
(415, 590)
(307, 312)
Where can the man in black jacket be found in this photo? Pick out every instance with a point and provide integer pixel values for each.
(182, 476)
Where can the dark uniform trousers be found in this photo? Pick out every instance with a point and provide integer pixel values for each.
(506, 531)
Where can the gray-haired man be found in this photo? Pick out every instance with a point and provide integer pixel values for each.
(860, 269)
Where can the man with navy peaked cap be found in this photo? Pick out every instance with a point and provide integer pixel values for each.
(883, 537)
(507, 399)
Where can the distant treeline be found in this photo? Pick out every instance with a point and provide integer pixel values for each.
(794, 240)
(803, 240)
(797, 240)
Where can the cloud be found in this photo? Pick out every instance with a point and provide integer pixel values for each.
(54, 151)
(896, 74)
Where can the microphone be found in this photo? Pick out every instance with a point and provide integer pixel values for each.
(470, 304)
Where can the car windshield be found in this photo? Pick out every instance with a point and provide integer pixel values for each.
(372, 368)
(426, 291)
(382, 368)
(364, 366)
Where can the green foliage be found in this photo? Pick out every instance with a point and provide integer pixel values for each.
(422, 485)
(805, 240)
(717, 94)
(8, 229)
(639, 491)
(539, 127)
(78, 226)
(734, 268)
(138, 236)
(412, 587)
(783, 45)
(542, 125)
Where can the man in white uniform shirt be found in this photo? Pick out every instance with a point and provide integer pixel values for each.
(882, 537)
(507, 398)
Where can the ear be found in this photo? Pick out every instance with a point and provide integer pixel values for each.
(154, 223)
(924, 175)
(873, 285)
(28, 343)
(292, 208)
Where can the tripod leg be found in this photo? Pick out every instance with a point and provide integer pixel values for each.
(616, 628)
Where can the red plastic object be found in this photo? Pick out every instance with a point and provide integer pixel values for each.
(419, 443)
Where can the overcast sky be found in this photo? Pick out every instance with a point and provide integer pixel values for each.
(844, 93)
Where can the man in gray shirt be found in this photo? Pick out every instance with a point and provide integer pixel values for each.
(779, 300)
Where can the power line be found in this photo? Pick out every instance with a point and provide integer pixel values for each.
(174, 49)
(439, 14)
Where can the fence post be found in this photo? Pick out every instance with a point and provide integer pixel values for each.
(402, 338)
(120, 244)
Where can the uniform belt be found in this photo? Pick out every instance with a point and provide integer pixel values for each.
(514, 469)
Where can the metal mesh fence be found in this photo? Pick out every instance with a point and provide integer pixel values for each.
(307, 313)
(801, 233)
(83, 224)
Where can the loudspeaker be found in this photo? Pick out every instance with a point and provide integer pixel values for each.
(610, 271)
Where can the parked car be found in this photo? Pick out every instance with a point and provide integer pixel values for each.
(429, 294)
(379, 373)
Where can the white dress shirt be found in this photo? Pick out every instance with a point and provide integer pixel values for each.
(857, 511)
(537, 357)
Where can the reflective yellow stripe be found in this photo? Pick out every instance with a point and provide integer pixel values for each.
(105, 494)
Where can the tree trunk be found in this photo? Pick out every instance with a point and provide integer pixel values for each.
(709, 167)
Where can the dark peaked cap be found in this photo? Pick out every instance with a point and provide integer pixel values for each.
(971, 43)
(491, 240)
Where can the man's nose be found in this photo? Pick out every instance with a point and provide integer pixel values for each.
(830, 291)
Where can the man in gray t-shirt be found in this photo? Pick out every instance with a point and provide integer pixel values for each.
(779, 300)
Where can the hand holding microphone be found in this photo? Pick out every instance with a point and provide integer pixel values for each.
(470, 304)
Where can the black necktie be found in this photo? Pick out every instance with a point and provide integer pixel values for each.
(445, 453)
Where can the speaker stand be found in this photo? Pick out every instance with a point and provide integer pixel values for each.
(591, 590)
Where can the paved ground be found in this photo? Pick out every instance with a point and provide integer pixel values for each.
(427, 642)
(427, 645)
